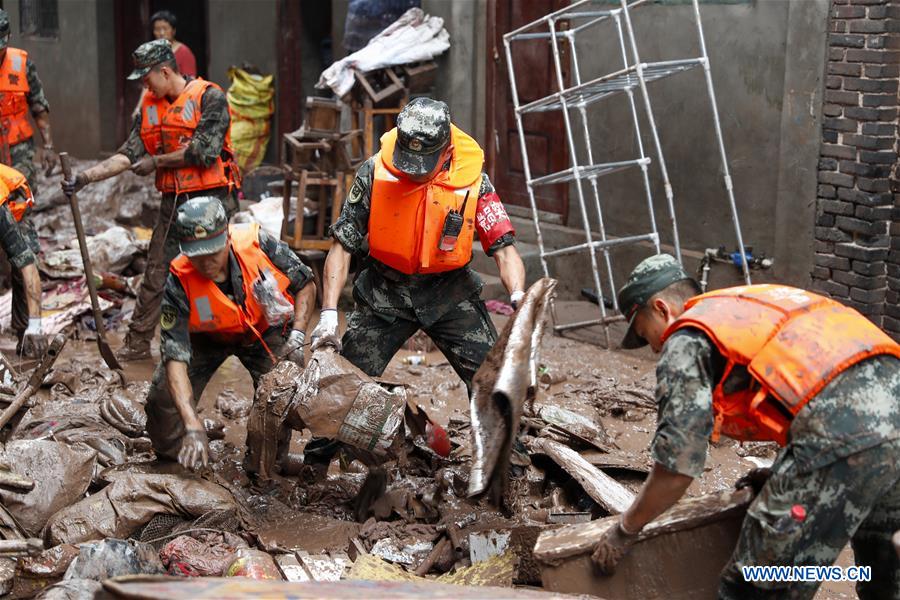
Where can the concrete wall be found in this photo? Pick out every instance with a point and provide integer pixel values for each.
(78, 74)
(244, 30)
(767, 65)
(462, 68)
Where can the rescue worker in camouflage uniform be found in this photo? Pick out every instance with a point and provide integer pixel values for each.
(21, 93)
(181, 133)
(415, 273)
(216, 305)
(771, 363)
(15, 198)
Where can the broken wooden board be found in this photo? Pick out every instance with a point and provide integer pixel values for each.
(152, 587)
(603, 489)
(680, 555)
(494, 571)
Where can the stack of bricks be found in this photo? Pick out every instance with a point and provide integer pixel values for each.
(857, 247)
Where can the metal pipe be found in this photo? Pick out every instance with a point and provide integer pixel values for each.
(525, 166)
(645, 175)
(573, 153)
(590, 156)
(646, 237)
(605, 321)
(725, 173)
(670, 196)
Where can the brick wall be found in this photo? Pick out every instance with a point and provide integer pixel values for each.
(857, 246)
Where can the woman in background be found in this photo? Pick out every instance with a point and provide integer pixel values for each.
(163, 23)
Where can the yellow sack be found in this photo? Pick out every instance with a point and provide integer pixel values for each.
(251, 106)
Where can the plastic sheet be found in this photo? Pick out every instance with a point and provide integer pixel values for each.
(251, 104)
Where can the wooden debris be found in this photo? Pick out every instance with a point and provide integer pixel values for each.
(678, 556)
(603, 489)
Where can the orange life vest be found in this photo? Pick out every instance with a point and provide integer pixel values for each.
(169, 126)
(10, 181)
(792, 343)
(406, 218)
(215, 314)
(14, 124)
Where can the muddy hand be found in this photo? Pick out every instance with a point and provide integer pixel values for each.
(49, 160)
(755, 478)
(145, 166)
(71, 186)
(325, 333)
(194, 452)
(295, 344)
(33, 345)
(613, 545)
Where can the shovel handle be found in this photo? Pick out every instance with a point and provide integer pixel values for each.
(82, 245)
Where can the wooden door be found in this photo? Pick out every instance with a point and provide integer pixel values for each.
(545, 137)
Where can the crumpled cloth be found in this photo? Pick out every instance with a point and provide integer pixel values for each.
(413, 37)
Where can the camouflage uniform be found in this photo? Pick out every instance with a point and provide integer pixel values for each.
(391, 306)
(21, 158)
(204, 355)
(842, 464)
(203, 149)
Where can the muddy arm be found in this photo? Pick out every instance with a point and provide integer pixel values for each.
(337, 266)
(662, 489)
(511, 267)
(182, 394)
(304, 303)
(32, 289)
(112, 166)
(172, 159)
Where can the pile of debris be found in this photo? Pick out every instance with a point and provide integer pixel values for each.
(119, 213)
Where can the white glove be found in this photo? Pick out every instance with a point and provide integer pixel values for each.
(34, 326)
(515, 298)
(325, 333)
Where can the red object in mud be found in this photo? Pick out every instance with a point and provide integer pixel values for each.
(798, 513)
(437, 437)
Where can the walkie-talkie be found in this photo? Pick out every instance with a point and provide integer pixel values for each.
(452, 226)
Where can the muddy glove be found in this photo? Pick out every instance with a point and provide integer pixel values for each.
(613, 545)
(325, 333)
(145, 166)
(194, 452)
(755, 478)
(73, 185)
(515, 298)
(295, 341)
(49, 159)
(33, 342)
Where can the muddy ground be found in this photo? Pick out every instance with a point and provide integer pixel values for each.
(610, 387)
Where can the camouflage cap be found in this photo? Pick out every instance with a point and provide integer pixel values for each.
(651, 276)
(149, 55)
(4, 29)
(201, 226)
(423, 131)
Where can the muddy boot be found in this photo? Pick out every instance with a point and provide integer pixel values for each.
(372, 489)
(318, 454)
(134, 349)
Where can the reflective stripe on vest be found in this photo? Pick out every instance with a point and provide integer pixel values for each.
(14, 124)
(169, 126)
(10, 181)
(792, 343)
(214, 313)
(406, 218)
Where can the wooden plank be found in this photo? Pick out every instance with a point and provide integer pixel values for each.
(603, 489)
(573, 540)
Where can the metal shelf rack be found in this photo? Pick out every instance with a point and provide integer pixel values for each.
(574, 100)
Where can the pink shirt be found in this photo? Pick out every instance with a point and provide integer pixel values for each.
(187, 64)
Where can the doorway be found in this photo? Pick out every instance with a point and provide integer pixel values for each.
(132, 20)
(545, 136)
